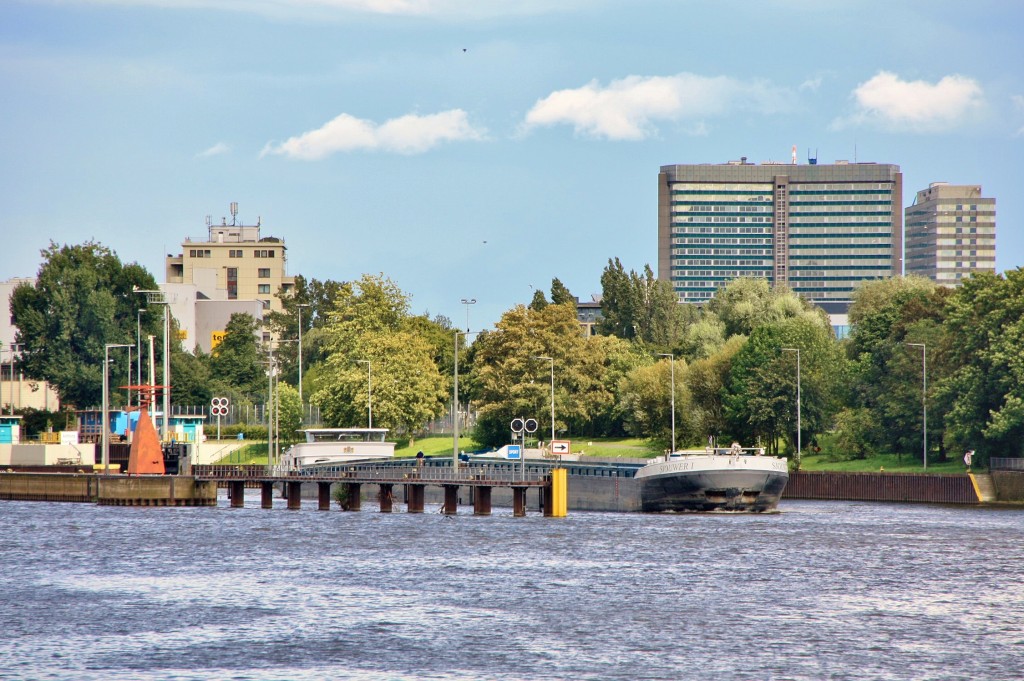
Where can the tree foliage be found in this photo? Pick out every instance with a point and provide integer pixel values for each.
(403, 387)
(640, 306)
(82, 300)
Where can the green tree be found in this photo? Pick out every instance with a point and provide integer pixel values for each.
(190, 378)
(82, 300)
(288, 412)
(984, 389)
(853, 434)
(639, 306)
(237, 363)
(307, 302)
(508, 379)
(538, 302)
(746, 303)
(371, 323)
(646, 403)
(706, 379)
(760, 399)
(560, 295)
(886, 372)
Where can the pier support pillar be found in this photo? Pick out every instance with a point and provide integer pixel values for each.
(414, 494)
(451, 499)
(353, 502)
(386, 497)
(294, 495)
(267, 494)
(323, 496)
(482, 501)
(518, 502)
(236, 490)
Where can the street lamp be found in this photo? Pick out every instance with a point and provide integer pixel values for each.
(924, 400)
(138, 346)
(552, 394)
(799, 447)
(672, 366)
(298, 307)
(104, 426)
(369, 393)
(467, 302)
(159, 298)
(10, 392)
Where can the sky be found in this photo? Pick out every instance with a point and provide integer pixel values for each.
(475, 149)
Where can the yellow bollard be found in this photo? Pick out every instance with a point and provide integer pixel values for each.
(559, 492)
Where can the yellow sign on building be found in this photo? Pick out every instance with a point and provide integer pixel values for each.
(216, 337)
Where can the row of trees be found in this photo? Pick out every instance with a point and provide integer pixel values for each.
(733, 362)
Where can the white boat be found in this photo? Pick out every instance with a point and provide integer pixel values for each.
(734, 479)
(327, 446)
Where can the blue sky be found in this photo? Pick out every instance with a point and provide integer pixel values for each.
(475, 148)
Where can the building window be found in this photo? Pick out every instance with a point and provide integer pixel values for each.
(235, 253)
(264, 273)
(232, 283)
(199, 253)
(264, 288)
(263, 253)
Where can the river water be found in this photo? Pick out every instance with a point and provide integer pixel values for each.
(820, 590)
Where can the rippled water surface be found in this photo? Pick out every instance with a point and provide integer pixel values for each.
(818, 591)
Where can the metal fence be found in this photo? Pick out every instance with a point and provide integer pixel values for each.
(1006, 464)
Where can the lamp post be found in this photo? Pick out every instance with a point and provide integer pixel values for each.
(104, 425)
(10, 392)
(924, 401)
(369, 393)
(467, 302)
(455, 403)
(672, 367)
(138, 346)
(550, 359)
(159, 298)
(799, 448)
(298, 307)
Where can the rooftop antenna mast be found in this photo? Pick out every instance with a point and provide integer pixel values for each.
(794, 154)
(234, 212)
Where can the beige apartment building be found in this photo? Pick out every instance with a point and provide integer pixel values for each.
(950, 233)
(233, 263)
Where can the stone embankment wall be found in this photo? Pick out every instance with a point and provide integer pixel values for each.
(113, 490)
(1009, 486)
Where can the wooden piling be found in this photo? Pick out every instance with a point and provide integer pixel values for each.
(323, 496)
(451, 499)
(518, 502)
(414, 494)
(294, 495)
(386, 498)
(482, 501)
(236, 490)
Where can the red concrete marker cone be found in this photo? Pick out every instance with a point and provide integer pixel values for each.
(145, 457)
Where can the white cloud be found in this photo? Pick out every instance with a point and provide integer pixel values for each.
(410, 134)
(327, 8)
(914, 106)
(1018, 105)
(811, 84)
(216, 150)
(626, 109)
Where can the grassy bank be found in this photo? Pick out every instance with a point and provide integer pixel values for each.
(884, 462)
(634, 448)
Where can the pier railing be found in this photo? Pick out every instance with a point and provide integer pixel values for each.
(501, 474)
